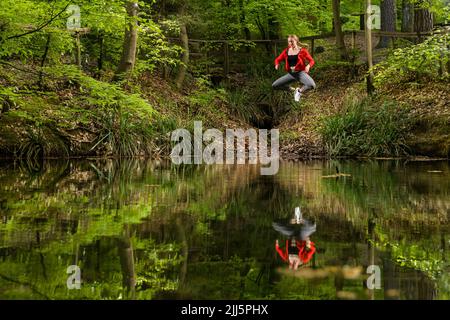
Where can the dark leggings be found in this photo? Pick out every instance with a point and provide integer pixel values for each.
(283, 82)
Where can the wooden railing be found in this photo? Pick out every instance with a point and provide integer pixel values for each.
(276, 43)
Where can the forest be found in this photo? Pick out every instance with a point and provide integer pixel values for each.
(97, 78)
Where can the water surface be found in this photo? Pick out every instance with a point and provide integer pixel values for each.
(150, 230)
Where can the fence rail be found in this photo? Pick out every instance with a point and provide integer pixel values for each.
(276, 42)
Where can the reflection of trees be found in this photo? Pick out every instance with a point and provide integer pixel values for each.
(204, 231)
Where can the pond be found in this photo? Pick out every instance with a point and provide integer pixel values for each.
(137, 229)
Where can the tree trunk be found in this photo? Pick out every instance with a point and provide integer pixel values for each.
(185, 252)
(338, 29)
(407, 16)
(242, 20)
(391, 288)
(130, 42)
(388, 21)
(127, 263)
(368, 35)
(370, 246)
(448, 61)
(261, 28)
(423, 19)
(78, 48)
(101, 43)
(185, 58)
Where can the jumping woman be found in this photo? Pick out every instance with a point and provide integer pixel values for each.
(298, 62)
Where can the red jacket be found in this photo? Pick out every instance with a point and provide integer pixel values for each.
(304, 255)
(302, 56)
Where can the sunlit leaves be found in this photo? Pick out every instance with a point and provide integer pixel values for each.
(410, 63)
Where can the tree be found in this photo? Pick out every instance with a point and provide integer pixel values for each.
(338, 29)
(388, 21)
(368, 34)
(423, 18)
(243, 21)
(128, 59)
(185, 58)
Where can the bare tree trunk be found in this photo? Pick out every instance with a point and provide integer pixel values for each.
(388, 21)
(273, 31)
(407, 16)
(448, 61)
(185, 58)
(185, 252)
(101, 43)
(130, 43)
(338, 29)
(127, 263)
(6, 105)
(78, 48)
(370, 246)
(261, 28)
(423, 19)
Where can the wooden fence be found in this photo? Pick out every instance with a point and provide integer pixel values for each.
(275, 45)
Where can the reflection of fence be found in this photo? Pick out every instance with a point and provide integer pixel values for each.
(218, 54)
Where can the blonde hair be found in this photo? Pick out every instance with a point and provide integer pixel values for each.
(295, 37)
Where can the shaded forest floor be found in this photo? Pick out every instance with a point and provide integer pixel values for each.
(73, 115)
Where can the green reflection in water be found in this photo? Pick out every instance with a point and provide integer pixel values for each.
(148, 230)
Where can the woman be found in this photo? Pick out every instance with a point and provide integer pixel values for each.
(299, 248)
(298, 62)
(296, 253)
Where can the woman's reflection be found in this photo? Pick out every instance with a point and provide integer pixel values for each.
(299, 249)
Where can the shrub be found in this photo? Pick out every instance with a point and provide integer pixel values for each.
(427, 59)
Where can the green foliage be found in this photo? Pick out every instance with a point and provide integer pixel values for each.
(424, 60)
(86, 117)
(156, 265)
(236, 19)
(364, 128)
(205, 95)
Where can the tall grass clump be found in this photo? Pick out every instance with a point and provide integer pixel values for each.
(124, 121)
(367, 128)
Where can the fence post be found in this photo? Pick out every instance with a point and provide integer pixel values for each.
(312, 47)
(78, 48)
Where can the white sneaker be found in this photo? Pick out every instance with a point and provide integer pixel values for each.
(297, 95)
